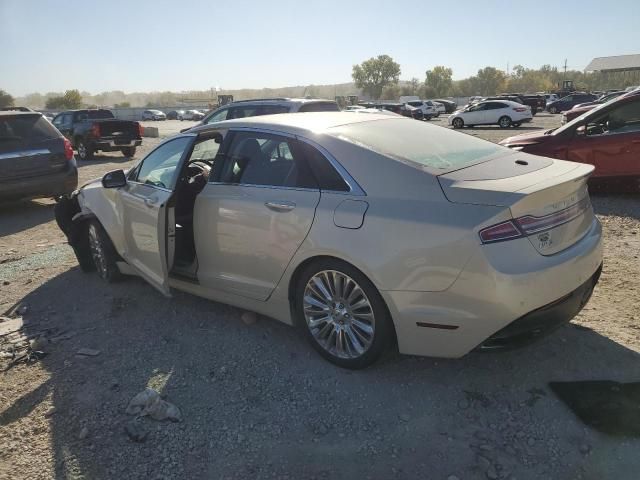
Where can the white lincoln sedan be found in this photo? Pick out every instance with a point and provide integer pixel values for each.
(503, 113)
(364, 231)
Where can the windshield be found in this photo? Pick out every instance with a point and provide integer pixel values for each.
(419, 143)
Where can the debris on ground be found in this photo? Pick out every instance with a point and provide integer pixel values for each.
(249, 318)
(135, 431)
(149, 403)
(88, 352)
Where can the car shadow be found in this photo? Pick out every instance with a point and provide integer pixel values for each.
(260, 388)
(102, 158)
(622, 205)
(23, 215)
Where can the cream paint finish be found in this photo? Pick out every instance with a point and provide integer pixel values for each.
(419, 249)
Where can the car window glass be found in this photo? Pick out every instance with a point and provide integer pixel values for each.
(205, 151)
(58, 120)
(159, 168)
(218, 116)
(623, 119)
(319, 107)
(241, 112)
(326, 175)
(567, 98)
(264, 159)
(271, 109)
(32, 128)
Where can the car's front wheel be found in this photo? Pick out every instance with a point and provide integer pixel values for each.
(103, 252)
(342, 314)
(504, 122)
(457, 123)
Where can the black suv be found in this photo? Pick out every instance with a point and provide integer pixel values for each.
(36, 161)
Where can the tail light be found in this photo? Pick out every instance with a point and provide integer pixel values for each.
(68, 149)
(529, 224)
(140, 129)
(95, 130)
(520, 109)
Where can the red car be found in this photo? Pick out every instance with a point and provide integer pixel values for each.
(607, 137)
(581, 108)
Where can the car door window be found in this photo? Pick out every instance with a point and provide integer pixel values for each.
(159, 168)
(623, 119)
(271, 109)
(58, 121)
(265, 159)
(325, 174)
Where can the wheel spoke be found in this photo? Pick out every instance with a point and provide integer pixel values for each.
(338, 314)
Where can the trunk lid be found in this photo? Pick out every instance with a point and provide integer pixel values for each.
(118, 129)
(549, 198)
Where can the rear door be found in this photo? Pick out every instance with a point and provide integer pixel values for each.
(143, 204)
(29, 146)
(249, 222)
(611, 141)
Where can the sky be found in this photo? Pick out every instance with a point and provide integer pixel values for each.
(144, 45)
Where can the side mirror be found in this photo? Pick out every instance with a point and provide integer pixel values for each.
(581, 131)
(114, 179)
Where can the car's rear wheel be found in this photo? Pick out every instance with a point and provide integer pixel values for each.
(553, 110)
(534, 110)
(103, 252)
(85, 152)
(342, 314)
(504, 122)
(457, 122)
(129, 152)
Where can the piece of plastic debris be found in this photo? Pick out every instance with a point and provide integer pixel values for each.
(148, 403)
(88, 352)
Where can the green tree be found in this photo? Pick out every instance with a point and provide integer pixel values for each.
(376, 73)
(6, 100)
(122, 105)
(439, 81)
(71, 99)
(491, 81)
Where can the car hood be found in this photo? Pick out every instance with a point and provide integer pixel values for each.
(525, 139)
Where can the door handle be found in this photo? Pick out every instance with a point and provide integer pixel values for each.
(280, 206)
(150, 202)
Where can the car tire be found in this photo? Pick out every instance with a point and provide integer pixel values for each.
(357, 328)
(504, 122)
(534, 110)
(85, 151)
(129, 152)
(103, 252)
(457, 122)
(553, 110)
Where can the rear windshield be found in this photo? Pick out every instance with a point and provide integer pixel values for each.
(419, 143)
(319, 107)
(26, 127)
(97, 114)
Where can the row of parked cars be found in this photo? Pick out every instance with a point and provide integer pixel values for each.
(158, 115)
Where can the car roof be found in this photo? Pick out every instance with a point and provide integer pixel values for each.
(298, 122)
(14, 113)
(278, 101)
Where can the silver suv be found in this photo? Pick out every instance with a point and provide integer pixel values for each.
(268, 106)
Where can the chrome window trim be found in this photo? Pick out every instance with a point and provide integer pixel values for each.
(354, 188)
(272, 187)
(150, 186)
(24, 153)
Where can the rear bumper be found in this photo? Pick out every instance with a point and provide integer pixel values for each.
(542, 321)
(42, 186)
(500, 284)
(115, 145)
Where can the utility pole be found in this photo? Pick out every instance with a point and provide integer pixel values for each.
(564, 75)
(507, 68)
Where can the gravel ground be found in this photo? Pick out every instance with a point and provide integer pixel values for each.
(257, 402)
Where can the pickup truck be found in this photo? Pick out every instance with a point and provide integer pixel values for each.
(95, 130)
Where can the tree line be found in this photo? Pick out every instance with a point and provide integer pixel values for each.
(376, 78)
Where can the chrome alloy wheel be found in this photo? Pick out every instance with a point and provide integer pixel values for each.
(82, 150)
(97, 251)
(338, 314)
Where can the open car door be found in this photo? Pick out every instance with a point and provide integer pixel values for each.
(144, 201)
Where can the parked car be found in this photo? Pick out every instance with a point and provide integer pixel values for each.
(475, 99)
(440, 108)
(568, 102)
(352, 108)
(449, 106)
(608, 137)
(269, 106)
(450, 265)
(175, 114)
(191, 115)
(426, 107)
(36, 161)
(550, 98)
(98, 130)
(504, 113)
(582, 108)
(533, 101)
(153, 115)
(15, 109)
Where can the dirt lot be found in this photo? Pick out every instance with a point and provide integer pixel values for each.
(257, 402)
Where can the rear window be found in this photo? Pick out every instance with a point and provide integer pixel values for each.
(419, 143)
(319, 107)
(98, 114)
(26, 127)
